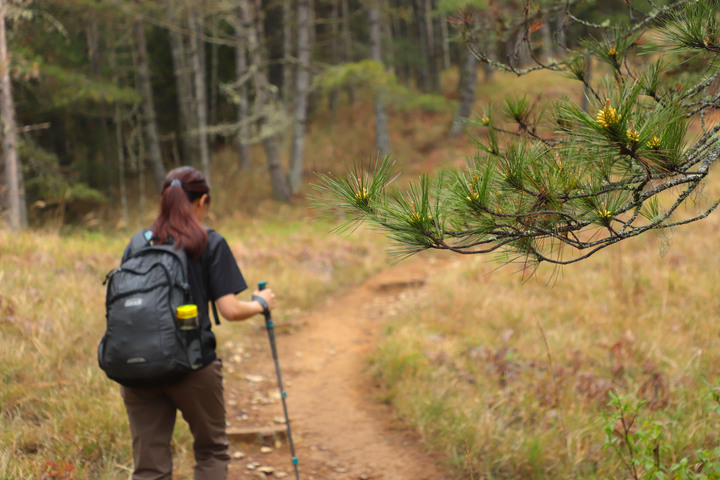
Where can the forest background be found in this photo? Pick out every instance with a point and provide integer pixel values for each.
(260, 95)
(109, 95)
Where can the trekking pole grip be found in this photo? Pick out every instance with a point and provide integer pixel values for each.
(266, 313)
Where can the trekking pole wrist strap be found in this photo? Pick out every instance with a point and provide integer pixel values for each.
(262, 302)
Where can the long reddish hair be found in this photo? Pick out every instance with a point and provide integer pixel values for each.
(176, 219)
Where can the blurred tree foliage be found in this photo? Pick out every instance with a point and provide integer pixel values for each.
(77, 100)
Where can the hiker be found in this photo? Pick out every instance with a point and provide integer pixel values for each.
(213, 276)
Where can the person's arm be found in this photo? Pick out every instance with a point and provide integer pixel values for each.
(234, 309)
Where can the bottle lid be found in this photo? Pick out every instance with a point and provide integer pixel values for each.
(187, 311)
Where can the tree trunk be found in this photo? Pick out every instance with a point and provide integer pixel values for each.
(142, 197)
(302, 91)
(334, 48)
(434, 46)
(289, 65)
(548, 46)
(214, 83)
(121, 166)
(280, 186)
(399, 29)
(490, 46)
(382, 138)
(148, 106)
(95, 58)
(241, 66)
(441, 40)
(198, 63)
(252, 22)
(347, 41)
(519, 53)
(389, 55)
(259, 23)
(13, 173)
(466, 88)
(423, 40)
(312, 20)
(559, 31)
(183, 84)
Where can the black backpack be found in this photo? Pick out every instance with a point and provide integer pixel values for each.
(142, 346)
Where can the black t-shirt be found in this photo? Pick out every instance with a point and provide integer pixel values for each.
(212, 276)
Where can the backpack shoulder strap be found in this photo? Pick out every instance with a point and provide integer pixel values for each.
(215, 312)
(212, 302)
(140, 240)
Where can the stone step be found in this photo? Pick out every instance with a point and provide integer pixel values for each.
(265, 435)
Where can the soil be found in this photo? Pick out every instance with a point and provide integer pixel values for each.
(340, 428)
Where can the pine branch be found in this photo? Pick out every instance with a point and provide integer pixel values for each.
(594, 182)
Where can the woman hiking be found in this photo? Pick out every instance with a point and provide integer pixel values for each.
(213, 276)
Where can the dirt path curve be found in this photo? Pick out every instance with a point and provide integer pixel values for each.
(340, 429)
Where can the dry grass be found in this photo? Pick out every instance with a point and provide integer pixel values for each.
(509, 375)
(55, 404)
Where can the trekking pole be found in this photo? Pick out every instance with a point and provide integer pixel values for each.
(271, 335)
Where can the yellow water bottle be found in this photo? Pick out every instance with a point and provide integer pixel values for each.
(187, 322)
(187, 317)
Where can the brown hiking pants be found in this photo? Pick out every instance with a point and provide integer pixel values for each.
(152, 412)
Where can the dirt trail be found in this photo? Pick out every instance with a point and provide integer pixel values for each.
(340, 429)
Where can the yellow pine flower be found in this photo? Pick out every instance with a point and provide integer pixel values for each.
(473, 195)
(612, 52)
(603, 212)
(654, 143)
(608, 116)
(633, 135)
(362, 194)
(416, 218)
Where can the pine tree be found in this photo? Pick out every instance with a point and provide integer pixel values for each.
(13, 173)
(562, 185)
(301, 96)
(150, 116)
(382, 136)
